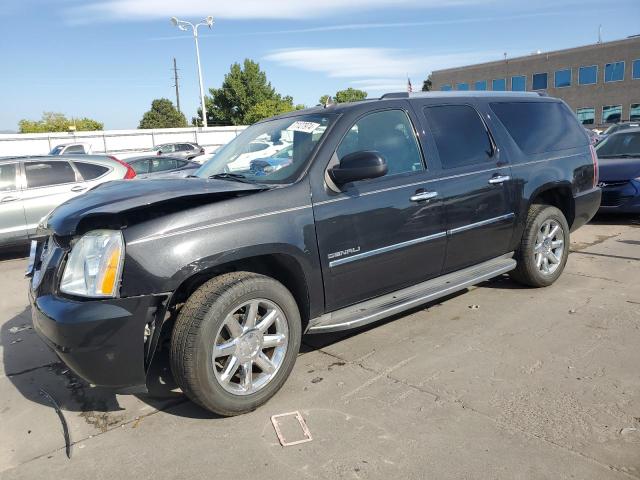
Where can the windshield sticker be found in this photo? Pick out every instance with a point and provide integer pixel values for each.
(304, 127)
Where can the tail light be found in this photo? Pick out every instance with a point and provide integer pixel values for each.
(594, 159)
(131, 173)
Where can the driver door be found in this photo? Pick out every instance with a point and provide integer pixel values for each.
(379, 235)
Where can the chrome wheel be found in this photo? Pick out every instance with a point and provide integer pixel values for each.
(250, 346)
(549, 247)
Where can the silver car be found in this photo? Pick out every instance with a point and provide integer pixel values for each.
(186, 150)
(30, 187)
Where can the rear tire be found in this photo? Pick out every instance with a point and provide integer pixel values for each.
(235, 342)
(544, 248)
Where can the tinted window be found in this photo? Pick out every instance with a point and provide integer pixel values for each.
(539, 81)
(140, 166)
(519, 83)
(166, 148)
(462, 86)
(459, 134)
(611, 113)
(587, 116)
(563, 78)
(540, 126)
(634, 112)
(7, 177)
(588, 75)
(446, 87)
(614, 72)
(499, 84)
(389, 133)
(89, 171)
(42, 174)
(56, 150)
(620, 144)
(636, 69)
(481, 85)
(162, 164)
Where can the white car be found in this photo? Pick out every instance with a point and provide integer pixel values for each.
(71, 149)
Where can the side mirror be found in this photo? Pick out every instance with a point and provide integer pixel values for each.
(359, 166)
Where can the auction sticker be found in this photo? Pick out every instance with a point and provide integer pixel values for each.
(304, 127)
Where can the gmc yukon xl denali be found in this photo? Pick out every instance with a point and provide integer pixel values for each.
(355, 212)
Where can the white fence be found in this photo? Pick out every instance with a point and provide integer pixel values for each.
(116, 141)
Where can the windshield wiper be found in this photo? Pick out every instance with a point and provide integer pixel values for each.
(234, 177)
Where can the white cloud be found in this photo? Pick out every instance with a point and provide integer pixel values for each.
(377, 66)
(246, 9)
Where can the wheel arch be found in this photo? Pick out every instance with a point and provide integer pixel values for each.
(559, 195)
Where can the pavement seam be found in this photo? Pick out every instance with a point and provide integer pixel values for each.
(594, 277)
(32, 369)
(501, 424)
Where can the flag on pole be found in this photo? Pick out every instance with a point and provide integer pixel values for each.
(409, 87)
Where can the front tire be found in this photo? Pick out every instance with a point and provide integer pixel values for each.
(235, 342)
(544, 248)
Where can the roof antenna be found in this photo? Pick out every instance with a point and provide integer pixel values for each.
(328, 102)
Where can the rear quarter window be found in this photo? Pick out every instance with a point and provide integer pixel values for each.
(89, 171)
(539, 127)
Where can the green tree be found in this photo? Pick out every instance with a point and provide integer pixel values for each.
(245, 97)
(163, 114)
(58, 122)
(427, 85)
(343, 96)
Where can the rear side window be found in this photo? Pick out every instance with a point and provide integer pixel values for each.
(460, 135)
(162, 164)
(43, 174)
(538, 127)
(7, 177)
(140, 166)
(89, 171)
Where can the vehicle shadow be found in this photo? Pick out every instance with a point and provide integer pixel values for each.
(616, 219)
(14, 253)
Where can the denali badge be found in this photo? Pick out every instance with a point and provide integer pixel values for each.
(342, 253)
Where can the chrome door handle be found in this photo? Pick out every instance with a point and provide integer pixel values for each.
(422, 196)
(499, 179)
(8, 199)
(78, 188)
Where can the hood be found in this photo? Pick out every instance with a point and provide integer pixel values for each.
(617, 169)
(125, 196)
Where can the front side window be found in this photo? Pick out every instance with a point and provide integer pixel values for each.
(587, 116)
(167, 148)
(539, 81)
(636, 70)
(459, 134)
(620, 144)
(614, 72)
(563, 78)
(163, 164)
(481, 85)
(634, 112)
(540, 126)
(253, 155)
(588, 75)
(74, 149)
(446, 87)
(44, 174)
(462, 86)
(389, 133)
(8, 177)
(499, 84)
(519, 83)
(611, 113)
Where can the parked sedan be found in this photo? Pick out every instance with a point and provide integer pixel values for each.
(30, 187)
(619, 159)
(180, 150)
(151, 166)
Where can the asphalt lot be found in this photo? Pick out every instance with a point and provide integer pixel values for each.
(496, 382)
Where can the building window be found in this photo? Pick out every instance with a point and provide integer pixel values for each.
(462, 86)
(481, 85)
(634, 112)
(499, 84)
(563, 78)
(611, 113)
(614, 72)
(636, 69)
(445, 88)
(519, 83)
(539, 81)
(587, 116)
(588, 75)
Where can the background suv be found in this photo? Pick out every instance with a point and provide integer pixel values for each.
(180, 150)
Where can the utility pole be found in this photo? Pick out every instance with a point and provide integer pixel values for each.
(175, 82)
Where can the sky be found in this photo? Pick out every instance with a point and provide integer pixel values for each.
(108, 59)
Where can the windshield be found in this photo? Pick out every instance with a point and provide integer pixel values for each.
(620, 145)
(57, 150)
(275, 151)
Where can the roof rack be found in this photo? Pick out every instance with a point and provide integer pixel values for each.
(463, 93)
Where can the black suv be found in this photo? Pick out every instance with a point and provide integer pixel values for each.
(350, 214)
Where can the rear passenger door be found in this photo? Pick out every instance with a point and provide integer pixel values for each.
(48, 184)
(476, 190)
(12, 221)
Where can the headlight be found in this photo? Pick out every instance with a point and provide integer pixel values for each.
(94, 266)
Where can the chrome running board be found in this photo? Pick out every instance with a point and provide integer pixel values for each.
(389, 304)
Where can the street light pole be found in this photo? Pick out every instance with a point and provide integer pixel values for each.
(183, 25)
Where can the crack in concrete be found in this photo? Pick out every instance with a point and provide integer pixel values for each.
(32, 369)
(607, 255)
(594, 277)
